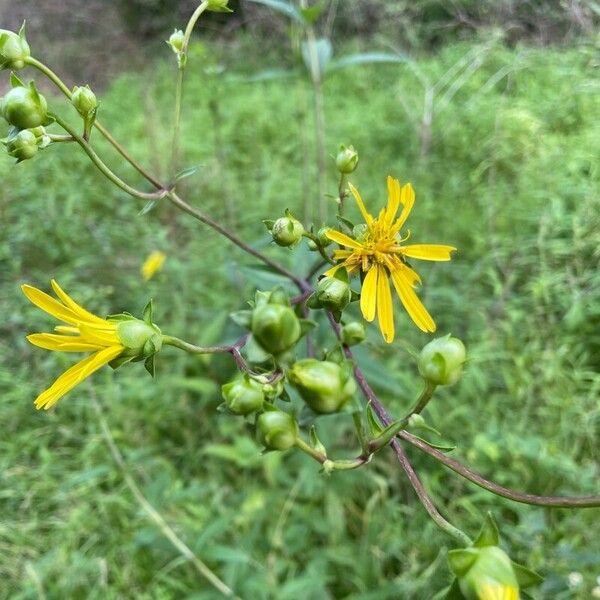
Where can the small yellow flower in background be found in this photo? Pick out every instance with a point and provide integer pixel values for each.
(83, 332)
(152, 264)
(379, 253)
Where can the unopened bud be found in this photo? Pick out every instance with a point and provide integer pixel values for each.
(353, 333)
(14, 49)
(176, 41)
(24, 107)
(84, 100)
(218, 6)
(22, 146)
(287, 231)
(324, 385)
(243, 396)
(277, 430)
(484, 573)
(275, 327)
(346, 160)
(140, 338)
(333, 294)
(441, 360)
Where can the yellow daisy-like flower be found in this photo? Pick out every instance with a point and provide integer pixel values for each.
(497, 591)
(153, 264)
(83, 332)
(379, 254)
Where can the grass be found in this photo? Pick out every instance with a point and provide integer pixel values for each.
(511, 179)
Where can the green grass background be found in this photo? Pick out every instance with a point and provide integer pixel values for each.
(512, 180)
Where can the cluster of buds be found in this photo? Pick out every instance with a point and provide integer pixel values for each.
(26, 110)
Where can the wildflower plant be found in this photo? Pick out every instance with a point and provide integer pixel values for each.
(284, 385)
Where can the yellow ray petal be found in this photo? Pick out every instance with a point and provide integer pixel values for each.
(100, 336)
(75, 375)
(340, 254)
(368, 294)
(84, 314)
(393, 199)
(410, 274)
(361, 205)
(407, 198)
(342, 238)
(66, 329)
(428, 251)
(414, 307)
(62, 343)
(489, 591)
(385, 311)
(49, 305)
(331, 272)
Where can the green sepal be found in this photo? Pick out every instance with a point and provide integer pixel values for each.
(461, 560)
(345, 223)
(115, 363)
(315, 442)
(269, 224)
(354, 296)
(375, 427)
(342, 275)
(124, 316)
(489, 534)
(15, 81)
(360, 431)
(254, 351)
(149, 365)
(148, 313)
(526, 577)
(306, 325)
(260, 298)
(222, 408)
(313, 302)
(22, 31)
(337, 315)
(438, 445)
(243, 318)
(336, 355)
(386, 436)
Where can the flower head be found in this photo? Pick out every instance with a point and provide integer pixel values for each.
(82, 332)
(377, 251)
(153, 264)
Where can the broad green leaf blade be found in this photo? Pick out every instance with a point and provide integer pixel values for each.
(366, 58)
(321, 49)
(285, 8)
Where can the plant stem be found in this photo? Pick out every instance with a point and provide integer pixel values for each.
(52, 76)
(302, 284)
(179, 85)
(302, 445)
(103, 168)
(169, 340)
(490, 486)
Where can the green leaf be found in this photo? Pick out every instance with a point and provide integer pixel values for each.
(373, 421)
(312, 13)
(243, 318)
(321, 48)
(285, 8)
(489, 534)
(254, 352)
(265, 75)
(345, 223)
(148, 207)
(187, 172)
(461, 560)
(438, 446)
(526, 577)
(365, 58)
(149, 312)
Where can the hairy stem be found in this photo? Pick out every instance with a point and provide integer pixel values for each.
(169, 340)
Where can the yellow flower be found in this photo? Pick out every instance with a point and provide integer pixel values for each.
(83, 332)
(152, 264)
(497, 591)
(379, 253)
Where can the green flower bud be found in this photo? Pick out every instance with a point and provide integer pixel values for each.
(14, 49)
(346, 160)
(41, 137)
(275, 327)
(287, 231)
(324, 385)
(218, 6)
(140, 338)
(333, 294)
(353, 333)
(273, 390)
(176, 41)
(277, 430)
(243, 396)
(22, 146)
(24, 107)
(322, 237)
(441, 360)
(484, 573)
(84, 100)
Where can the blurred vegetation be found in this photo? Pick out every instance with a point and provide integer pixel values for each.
(507, 171)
